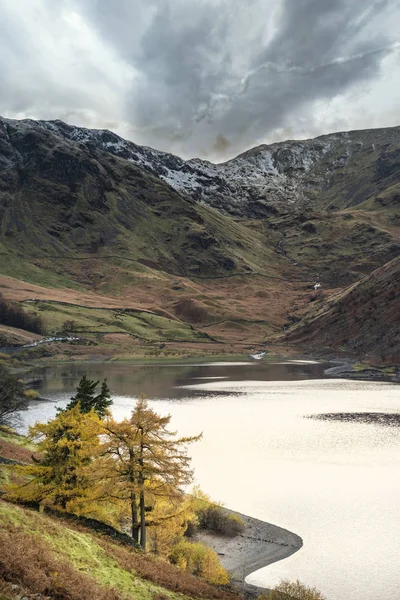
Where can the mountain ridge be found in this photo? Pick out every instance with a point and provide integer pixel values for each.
(238, 254)
(265, 178)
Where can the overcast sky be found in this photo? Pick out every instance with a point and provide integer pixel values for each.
(206, 78)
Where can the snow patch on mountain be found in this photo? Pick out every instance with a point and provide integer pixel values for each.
(252, 184)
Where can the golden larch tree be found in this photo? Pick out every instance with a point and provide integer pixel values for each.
(61, 477)
(144, 461)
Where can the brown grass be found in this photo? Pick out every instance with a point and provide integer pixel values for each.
(248, 300)
(16, 452)
(193, 311)
(17, 290)
(28, 561)
(6, 590)
(163, 573)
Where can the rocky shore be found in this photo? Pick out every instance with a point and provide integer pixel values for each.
(260, 545)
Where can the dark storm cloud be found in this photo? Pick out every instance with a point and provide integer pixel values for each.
(205, 76)
(209, 69)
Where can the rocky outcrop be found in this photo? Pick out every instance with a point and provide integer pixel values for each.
(337, 170)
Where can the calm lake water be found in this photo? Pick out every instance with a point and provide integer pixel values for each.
(336, 484)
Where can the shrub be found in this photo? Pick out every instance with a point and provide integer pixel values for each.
(69, 326)
(163, 573)
(294, 590)
(200, 561)
(215, 518)
(191, 529)
(309, 227)
(31, 394)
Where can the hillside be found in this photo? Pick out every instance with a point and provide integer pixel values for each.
(138, 247)
(364, 318)
(61, 198)
(337, 171)
(68, 557)
(66, 561)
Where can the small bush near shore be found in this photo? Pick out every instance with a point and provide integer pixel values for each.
(215, 518)
(200, 561)
(292, 590)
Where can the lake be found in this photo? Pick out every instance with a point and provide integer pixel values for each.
(334, 483)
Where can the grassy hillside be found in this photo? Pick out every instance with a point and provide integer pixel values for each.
(63, 200)
(145, 326)
(70, 558)
(364, 318)
(69, 562)
(337, 247)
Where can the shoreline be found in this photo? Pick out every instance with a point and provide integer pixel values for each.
(260, 545)
(346, 370)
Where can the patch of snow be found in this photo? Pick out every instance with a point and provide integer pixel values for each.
(278, 174)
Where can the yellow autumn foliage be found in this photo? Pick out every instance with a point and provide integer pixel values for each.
(199, 560)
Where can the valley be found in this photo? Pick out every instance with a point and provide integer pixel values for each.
(143, 254)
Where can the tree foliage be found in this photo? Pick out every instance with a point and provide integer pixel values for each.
(62, 478)
(199, 560)
(168, 522)
(88, 400)
(12, 397)
(144, 462)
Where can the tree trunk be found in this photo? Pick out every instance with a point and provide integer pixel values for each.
(135, 521)
(142, 521)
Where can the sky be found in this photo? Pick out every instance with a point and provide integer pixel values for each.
(206, 78)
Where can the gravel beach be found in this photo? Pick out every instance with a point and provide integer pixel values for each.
(259, 545)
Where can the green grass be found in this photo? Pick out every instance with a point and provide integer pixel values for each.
(37, 272)
(8, 435)
(82, 551)
(145, 326)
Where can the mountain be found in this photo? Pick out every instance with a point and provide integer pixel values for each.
(73, 216)
(335, 171)
(60, 196)
(230, 252)
(364, 318)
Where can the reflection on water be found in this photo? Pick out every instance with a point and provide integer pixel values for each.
(334, 483)
(164, 381)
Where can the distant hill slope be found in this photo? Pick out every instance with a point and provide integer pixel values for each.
(64, 197)
(364, 318)
(73, 216)
(338, 170)
(232, 250)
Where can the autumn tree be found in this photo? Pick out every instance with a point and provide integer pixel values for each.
(61, 476)
(144, 461)
(87, 398)
(168, 523)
